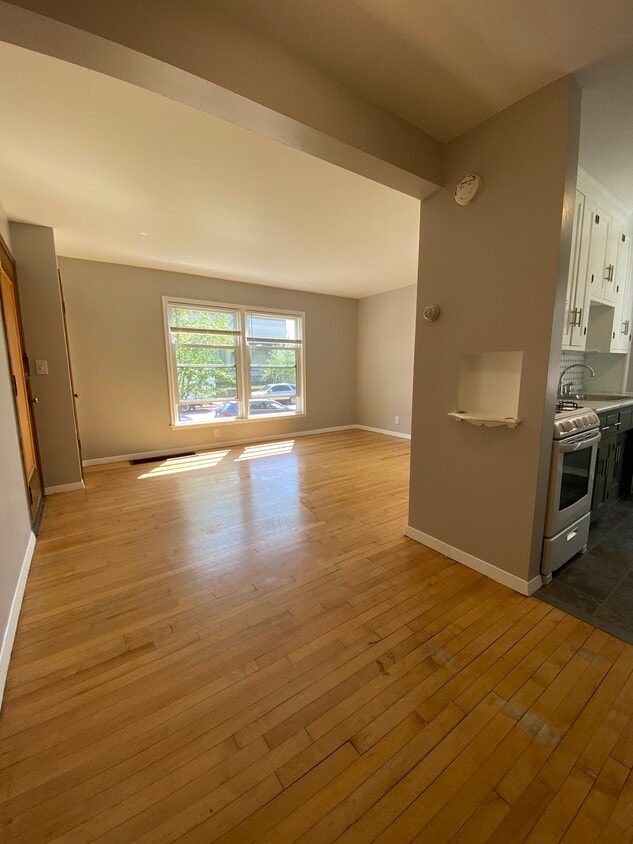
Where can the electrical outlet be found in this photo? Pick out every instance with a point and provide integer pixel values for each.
(216, 433)
(397, 420)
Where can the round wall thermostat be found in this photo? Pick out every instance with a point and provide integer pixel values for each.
(467, 189)
(431, 313)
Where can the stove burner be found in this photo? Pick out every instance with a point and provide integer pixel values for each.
(566, 404)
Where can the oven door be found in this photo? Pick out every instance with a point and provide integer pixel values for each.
(571, 480)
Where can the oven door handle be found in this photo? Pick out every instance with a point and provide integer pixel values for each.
(565, 448)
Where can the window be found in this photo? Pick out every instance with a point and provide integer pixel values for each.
(230, 363)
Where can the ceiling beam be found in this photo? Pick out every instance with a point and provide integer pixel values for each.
(186, 52)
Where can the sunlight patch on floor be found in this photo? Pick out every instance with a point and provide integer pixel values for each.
(251, 452)
(175, 465)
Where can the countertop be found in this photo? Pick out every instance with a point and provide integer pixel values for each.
(600, 406)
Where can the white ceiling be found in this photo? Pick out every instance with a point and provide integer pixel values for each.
(104, 162)
(447, 65)
(443, 65)
(606, 134)
(127, 176)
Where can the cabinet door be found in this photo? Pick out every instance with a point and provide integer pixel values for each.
(610, 261)
(623, 305)
(571, 311)
(582, 299)
(626, 482)
(600, 240)
(617, 464)
(599, 499)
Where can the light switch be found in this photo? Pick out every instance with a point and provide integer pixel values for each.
(41, 367)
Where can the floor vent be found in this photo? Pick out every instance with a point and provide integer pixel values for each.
(161, 458)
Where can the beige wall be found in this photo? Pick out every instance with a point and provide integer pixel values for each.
(115, 326)
(384, 379)
(498, 270)
(15, 523)
(42, 319)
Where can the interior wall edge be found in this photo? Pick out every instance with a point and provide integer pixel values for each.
(400, 434)
(14, 614)
(570, 179)
(495, 269)
(518, 584)
(53, 490)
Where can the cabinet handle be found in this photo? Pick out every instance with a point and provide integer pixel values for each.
(617, 424)
(575, 317)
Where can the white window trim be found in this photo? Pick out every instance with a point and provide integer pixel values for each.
(243, 362)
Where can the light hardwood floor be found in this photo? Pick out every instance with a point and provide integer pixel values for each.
(242, 646)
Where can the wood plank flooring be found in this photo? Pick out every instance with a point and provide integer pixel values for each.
(242, 646)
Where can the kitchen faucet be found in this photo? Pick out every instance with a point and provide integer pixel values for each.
(565, 390)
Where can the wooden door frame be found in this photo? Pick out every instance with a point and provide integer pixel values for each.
(7, 262)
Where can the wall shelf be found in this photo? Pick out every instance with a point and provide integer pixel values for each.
(484, 419)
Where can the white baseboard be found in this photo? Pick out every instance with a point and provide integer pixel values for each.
(384, 431)
(525, 587)
(51, 490)
(139, 455)
(14, 613)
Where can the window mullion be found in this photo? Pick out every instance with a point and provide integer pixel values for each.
(175, 398)
(244, 374)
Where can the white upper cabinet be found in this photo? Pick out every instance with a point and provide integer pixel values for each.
(611, 257)
(622, 330)
(599, 297)
(600, 249)
(577, 298)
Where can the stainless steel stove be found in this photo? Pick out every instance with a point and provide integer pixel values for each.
(571, 419)
(574, 452)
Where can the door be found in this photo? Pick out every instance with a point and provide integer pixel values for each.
(18, 364)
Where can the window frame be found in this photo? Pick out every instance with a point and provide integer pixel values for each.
(243, 366)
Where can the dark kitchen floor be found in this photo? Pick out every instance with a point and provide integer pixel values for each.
(598, 587)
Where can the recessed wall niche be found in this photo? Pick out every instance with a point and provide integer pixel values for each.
(489, 388)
